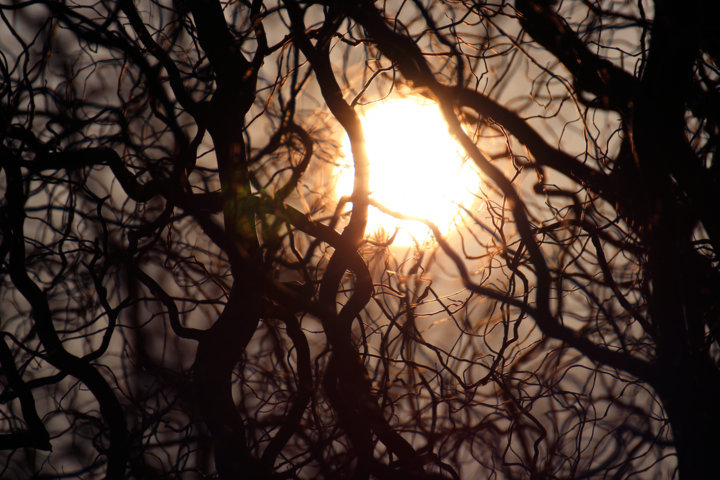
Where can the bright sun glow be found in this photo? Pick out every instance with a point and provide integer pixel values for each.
(416, 168)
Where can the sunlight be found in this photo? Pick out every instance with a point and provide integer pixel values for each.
(416, 168)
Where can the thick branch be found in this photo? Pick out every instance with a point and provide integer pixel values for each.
(614, 87)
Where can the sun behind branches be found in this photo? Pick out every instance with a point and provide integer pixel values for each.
(416, 169)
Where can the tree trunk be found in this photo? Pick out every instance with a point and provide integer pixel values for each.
(691, 397)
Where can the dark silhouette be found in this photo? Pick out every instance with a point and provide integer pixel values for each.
(183, 296)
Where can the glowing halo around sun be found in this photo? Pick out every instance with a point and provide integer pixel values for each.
(416, 168)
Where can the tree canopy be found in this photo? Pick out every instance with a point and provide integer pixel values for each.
(183, 293)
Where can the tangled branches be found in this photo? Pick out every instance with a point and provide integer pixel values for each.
(183, 294)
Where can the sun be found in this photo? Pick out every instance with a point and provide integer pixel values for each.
(416, 169)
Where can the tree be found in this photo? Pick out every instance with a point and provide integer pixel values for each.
(182, 294)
